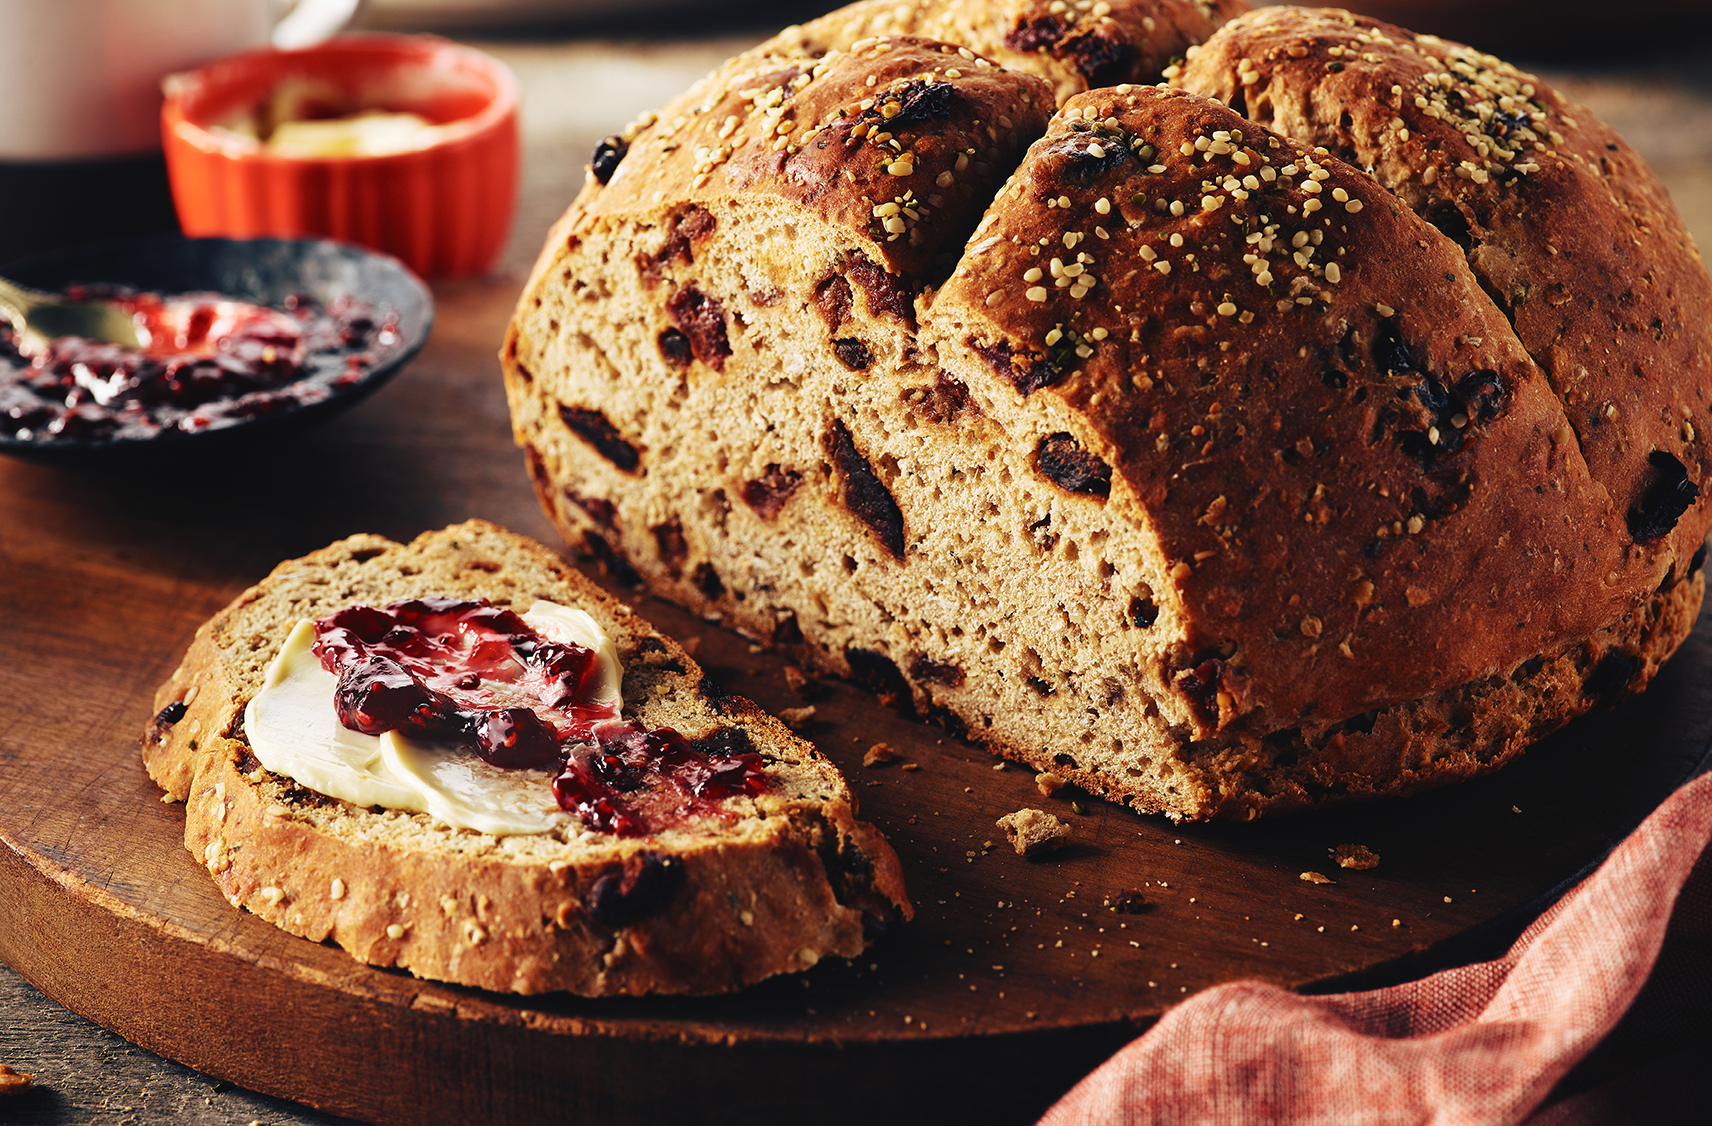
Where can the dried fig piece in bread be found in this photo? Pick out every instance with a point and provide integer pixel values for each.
(725, 893)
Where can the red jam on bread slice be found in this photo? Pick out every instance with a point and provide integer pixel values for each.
(485, 719)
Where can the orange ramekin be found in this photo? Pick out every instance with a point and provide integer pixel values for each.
(444, 209)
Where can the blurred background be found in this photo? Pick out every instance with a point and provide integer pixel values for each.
(588, 66)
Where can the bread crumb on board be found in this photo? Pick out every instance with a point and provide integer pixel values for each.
(1359, 857)
(879, 754)
(1316, 878)
(12, 1082)
(1033, 831)
(803, 684)
(1048, 783)
(797, 718)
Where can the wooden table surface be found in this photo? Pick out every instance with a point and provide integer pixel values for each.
(184, 543)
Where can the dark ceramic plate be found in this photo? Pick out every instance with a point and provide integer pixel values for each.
(261, 271)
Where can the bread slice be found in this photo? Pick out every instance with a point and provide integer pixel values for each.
(1222, 470)
(759, 886)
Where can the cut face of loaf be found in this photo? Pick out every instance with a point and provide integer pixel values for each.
(1211, 475)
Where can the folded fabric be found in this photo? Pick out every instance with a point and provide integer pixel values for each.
(1479, 1044)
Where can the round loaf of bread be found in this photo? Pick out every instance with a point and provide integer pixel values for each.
(759, 886)
(1323, 423)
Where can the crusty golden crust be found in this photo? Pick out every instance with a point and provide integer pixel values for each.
(776, 883)
(1444, 737)
(1214, 475)
(895, 120)
(1074, 45)
(1571, 237)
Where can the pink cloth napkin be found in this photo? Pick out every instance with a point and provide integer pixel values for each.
(1480, 1044)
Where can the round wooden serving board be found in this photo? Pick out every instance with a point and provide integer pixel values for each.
(1011, 983)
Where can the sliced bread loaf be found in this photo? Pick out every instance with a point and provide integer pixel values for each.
(1233, 464)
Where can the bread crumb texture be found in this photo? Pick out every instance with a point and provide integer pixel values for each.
(576, 910)
(1359, 857)
(1033, 831)
(1225, 413)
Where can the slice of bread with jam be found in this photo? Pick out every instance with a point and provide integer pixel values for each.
(705, 848)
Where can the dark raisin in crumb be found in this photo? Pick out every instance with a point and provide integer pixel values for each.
(715, 693)
(1391, 355)
(599, 509)
(853, 354)
(1027, 373)
(674, 549)
(865, 495)
(687, 226)
(1062, 460)
(786, 630)
(1666, 499)
(171, 714)
(592, 427)
(919, 101)
(1143, 612)
(928, 671)
(947, 400)
(1610, 676)
(1036, 34)
(1200, 685)
(886, 293)
(876, 672)
(617, 899)
(702, 319)
(538, 474)
(606, 157)
(768, 493)
(611, 560)
(675, 348)
(725, 742)
(832, 298)
(706, 580)
(1101, 59)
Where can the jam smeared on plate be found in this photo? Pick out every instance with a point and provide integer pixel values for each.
(211, 362)
(470, 673)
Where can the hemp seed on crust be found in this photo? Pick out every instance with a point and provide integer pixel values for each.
(1073, 44)
(577, 910)
(1564, 227)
